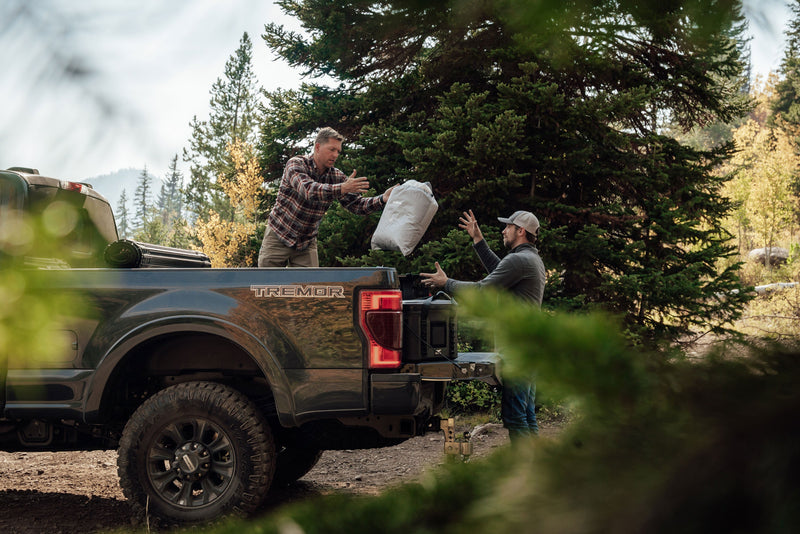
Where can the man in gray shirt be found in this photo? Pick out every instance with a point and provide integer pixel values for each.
(522, 273)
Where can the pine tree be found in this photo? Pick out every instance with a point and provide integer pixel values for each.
(123, 224)
(170, 203)
(786, 104)
(141, 200)
(555, 108)
(180, 235)
(162, 204)
(232, 117)
(152, 231)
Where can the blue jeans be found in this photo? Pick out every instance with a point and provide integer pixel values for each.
(517, 408)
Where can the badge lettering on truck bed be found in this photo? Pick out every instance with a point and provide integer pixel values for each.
(290, 291)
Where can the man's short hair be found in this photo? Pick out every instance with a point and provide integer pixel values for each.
(326, 134)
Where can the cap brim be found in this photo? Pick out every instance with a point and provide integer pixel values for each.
(504, 220)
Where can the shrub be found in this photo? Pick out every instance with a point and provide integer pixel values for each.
(774, 314)
(472, 396)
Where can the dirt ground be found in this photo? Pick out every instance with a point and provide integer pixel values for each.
(67, 492)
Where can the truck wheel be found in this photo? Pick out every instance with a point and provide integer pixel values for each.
(294, 461)
(196, 451)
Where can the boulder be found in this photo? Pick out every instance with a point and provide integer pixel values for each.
(777, 255)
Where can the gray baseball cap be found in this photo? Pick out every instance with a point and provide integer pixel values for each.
(523, 219)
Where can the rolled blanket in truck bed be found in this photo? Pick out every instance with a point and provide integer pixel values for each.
(132, 254)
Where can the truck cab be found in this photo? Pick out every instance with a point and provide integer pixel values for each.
(74, 214)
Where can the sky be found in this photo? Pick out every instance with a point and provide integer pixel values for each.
(145, 69)
(139, 70)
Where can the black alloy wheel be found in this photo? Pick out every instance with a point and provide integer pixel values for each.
(196, 451)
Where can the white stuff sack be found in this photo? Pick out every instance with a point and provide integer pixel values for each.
(405, 217)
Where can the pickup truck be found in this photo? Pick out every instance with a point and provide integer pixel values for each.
(216, 385)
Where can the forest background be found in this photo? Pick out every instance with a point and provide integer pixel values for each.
(633, 130)
(635, 134)
(653, 160)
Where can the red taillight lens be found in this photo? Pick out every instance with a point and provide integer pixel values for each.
(381, 317)
(73, 186)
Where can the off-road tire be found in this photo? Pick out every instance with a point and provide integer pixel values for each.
(194, 452)
(293, 462)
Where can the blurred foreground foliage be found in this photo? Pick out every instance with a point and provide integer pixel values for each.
(33, 329)
(661, 444)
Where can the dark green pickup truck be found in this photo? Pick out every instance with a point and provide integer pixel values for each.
(216, 384)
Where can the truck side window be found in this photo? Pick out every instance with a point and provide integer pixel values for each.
(12, 198)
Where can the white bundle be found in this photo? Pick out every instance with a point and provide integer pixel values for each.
(405, 218)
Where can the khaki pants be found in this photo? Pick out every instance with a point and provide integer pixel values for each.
(274, 253)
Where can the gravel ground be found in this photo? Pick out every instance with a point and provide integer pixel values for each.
(67, 492)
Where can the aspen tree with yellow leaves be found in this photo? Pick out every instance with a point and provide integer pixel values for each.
(771, 201)
(229, 243)
(765, 168)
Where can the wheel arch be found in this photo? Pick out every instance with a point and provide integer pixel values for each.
(170, 351)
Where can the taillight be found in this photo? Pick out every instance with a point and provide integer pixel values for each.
(73, 186)
(381, 318)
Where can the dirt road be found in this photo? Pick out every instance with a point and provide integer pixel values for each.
(69, 492)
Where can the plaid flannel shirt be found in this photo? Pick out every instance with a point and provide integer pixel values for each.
(305, 195)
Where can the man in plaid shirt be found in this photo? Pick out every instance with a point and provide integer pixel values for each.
(308, 187)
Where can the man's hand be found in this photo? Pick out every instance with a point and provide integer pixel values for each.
(469, 223)
(437, 279)
(354, 185)
(386, 195)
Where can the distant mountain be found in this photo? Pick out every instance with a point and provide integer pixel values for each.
(111, 185)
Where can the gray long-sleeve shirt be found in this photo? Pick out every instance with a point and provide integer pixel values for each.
(521, 272)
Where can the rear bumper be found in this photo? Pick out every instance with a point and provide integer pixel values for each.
(467, 366)
(402, 403)
(406, 392)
